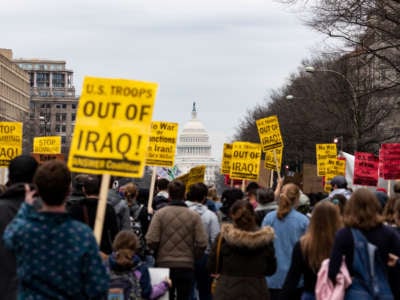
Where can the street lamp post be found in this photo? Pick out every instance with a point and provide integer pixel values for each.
(44, 120)
(339, 139)
(311, 69)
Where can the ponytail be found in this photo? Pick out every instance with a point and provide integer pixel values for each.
(284, 206)
(288, 198)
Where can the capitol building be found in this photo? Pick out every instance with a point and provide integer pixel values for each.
(194, 149)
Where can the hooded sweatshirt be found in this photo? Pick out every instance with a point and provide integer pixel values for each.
(344, 192)
(209, 220)
(121, 209)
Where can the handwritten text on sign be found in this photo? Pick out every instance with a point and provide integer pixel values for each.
(162, 144)
(245, 163)
(270, 133)
(47, 144)
(226, 159)
(113, 126)
(10, 141)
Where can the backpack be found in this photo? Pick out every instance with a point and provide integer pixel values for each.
(370, 279)
(136, 226)
(125, 286)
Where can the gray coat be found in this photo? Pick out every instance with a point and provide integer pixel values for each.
(121, 209)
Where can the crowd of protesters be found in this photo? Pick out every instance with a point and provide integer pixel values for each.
(254, 244)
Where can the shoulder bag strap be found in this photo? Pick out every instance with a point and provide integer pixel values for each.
(85, 215)
(218, 253)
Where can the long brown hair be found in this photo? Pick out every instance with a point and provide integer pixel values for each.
(362, 210)
(125, 245)
(290, 194)
(389, 210)
(316, 244)
(243, 216)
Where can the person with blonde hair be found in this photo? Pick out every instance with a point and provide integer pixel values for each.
(245, 255)
(312, 248)
(289, 225)
(125, 266)
(362, 220)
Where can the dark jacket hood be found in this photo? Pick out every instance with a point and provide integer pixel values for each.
(248, 239)
(15, 191)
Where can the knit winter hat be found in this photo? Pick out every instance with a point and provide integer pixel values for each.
(21, 169)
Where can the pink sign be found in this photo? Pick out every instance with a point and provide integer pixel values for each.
(365, 169)
(389, 161)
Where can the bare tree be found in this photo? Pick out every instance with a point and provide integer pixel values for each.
(370, 28)
(338, 101)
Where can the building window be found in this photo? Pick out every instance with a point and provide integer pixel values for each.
(58, 80)
(73, 117)
(59, 93)
(42, 79)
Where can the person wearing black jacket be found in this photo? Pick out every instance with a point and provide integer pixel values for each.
(85, 211)
(21, 171)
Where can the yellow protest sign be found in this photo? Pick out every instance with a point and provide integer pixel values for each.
(162, 144)
(112, 128)
(47, 144)
(334, 167)
(10, 141)
(270, 133)
(226, 159)
(245, 163)
(326, 157)
(273, 161)
(196, 175)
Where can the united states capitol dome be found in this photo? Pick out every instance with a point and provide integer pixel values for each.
(194, 148)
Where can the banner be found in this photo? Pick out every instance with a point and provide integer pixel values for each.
(270, 133)
(47, 144)
(10, 141)
(226, 159)
(245, 162)
(326, 157)
(389, 161)
(112, 128)
(196, 175)
(365, 169)
(162, 144)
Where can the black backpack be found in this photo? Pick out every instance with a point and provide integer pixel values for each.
(136, 226)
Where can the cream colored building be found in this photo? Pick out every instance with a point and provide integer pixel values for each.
(194, 149)
(53, 103)
(14, 89)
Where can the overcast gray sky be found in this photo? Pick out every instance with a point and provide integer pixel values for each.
(224, 54)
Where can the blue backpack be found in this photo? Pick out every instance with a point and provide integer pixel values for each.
(124, 286)
(370, 280)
